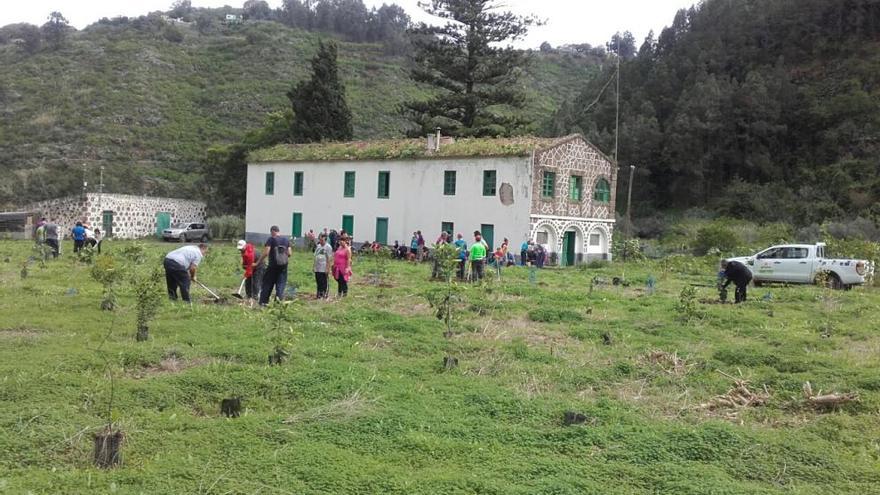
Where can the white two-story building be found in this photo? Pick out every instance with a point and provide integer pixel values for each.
(558, 192)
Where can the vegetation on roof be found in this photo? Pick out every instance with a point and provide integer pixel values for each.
(391, 149)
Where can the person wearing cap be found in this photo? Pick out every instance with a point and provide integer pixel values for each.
(252, 282)
(277, 251)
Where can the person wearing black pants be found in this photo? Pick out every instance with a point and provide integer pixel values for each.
(180, 268)
(277, 252)
(323, 260)
(740, 275)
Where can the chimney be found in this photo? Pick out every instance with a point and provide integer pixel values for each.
(432, 145)
(437, 141)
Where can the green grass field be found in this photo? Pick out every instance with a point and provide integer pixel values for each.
(364, 405)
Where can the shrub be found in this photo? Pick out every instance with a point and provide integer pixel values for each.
(547, 315)
(226, 227)
(715, 237)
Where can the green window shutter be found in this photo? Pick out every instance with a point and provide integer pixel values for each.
(488, 232)
(548, 186)
(297, 227)
(449, 183)
(384, 184)
(297, 183)
(575, 188)
(489, 182)
(447, 227)
(348, 224)
(602, 193)
(348, 187)
(270, 183)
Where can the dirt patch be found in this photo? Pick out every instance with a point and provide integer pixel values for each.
(169, 366)
(20, 333)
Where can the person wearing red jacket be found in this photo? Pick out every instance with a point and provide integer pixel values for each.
(252, 273)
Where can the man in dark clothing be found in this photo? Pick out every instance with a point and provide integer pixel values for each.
(52, 237)
(277, 251)
(740, 275)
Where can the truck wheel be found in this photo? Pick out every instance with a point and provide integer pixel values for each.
(834, 282)
(205, 238)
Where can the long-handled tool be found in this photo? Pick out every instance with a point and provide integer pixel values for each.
(216, 297)
(238, 295)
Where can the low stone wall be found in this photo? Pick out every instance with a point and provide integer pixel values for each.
(133, 216)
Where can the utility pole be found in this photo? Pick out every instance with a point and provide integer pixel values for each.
(617, 106)
(629, 197)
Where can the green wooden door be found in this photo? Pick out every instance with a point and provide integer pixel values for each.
(488, 232)
(568, 242)
(348, 224)
(107, 223)
(297, 227)
(382, 231)
(163, 221)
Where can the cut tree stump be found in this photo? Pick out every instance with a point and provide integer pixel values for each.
(450, 362)
(573, 418)
(231, 408)
(108, 444)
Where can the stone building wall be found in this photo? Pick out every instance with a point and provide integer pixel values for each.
(588, 218)
(133, 216)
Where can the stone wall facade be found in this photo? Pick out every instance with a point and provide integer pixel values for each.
(592, 221)
(132, 216)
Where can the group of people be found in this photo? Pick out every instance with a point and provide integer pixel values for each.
(46, 233)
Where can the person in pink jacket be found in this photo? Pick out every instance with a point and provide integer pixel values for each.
(342, 266)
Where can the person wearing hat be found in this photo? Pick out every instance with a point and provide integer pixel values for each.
(252, 272)
(277, 251)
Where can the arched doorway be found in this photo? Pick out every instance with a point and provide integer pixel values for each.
(597, 244)
(545, 235)
(572, 246)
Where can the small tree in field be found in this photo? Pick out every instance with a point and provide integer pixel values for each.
(280, 331)
(107, 272)
(148, 295)
(447, 298)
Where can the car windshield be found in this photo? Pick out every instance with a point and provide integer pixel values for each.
(179, 225)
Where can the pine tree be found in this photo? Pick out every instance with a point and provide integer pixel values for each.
(472, 73)
(319, 107)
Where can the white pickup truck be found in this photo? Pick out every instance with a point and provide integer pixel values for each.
(805, 264)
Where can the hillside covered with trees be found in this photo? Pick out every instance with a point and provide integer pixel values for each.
(147, 97)
(761, 109)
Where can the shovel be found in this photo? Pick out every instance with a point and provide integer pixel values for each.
(216, 297)
(238, 295)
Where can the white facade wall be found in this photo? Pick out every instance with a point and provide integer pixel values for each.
(416, 200)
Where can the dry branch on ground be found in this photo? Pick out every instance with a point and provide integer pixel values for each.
(736, 399)
(818, 400)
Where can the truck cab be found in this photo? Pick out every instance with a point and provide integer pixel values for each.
(805, 264)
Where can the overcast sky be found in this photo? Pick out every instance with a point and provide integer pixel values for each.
(568, 21)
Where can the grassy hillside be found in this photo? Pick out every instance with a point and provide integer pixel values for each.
(148, 108)
(365, 406)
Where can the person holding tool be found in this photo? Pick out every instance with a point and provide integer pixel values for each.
(180, 269)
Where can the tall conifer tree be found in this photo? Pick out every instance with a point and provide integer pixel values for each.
(320, 110)
(475, 77)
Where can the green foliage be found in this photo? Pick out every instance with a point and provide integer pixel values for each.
(688, 307)
(134, 253)
(550, 315)
(446, 260)
(86, 255)
(378, 274)
(364, 407)
(226, 227)
(319, 106)
(715, 238)
(710, 105)
(279, 320)
(474, 75)
(55, 30)
(108, 272)
(148, 295)
(626, 249)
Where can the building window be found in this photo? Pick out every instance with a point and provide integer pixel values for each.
(489, 180)
(270, 183)
(595, 240)
(548, 185)
(297, 227)
(348, 186)
(348, 224)
(384, 184)
(447, 227)
(297, 183)
(541, 238)
(602, 193)
(575, 188)
(449, 183)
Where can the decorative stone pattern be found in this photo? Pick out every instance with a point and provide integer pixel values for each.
(573, 156)
(557, 215)
(133, 216)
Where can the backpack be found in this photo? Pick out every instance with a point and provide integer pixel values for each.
(280, 252)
